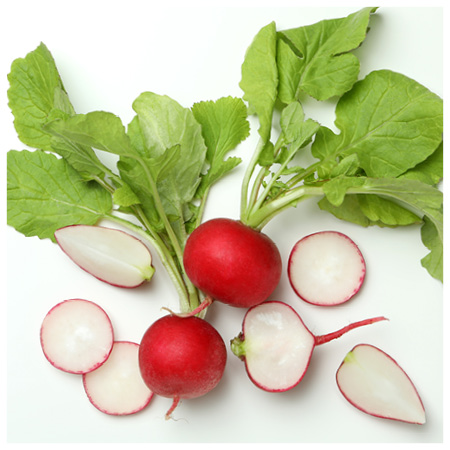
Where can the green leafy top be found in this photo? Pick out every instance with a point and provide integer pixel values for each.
(384, 165)
(381, 168)
(168, 158)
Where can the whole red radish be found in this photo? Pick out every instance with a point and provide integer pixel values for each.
(232, 262)
(276, 346)
(181, 358)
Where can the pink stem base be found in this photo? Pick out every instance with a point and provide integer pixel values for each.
(319, 340)
(203, 305)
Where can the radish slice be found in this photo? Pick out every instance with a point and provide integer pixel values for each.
(326, 268)
(110, 255)
(276, 346)
(374, 383)
(76, 336)
(117, 387)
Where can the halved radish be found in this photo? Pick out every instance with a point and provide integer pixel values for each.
(374, 383)
(76, 336)
(326, 268)
(110, 255)
(276, 346)
(116, 387)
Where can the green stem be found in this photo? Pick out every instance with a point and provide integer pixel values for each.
(256, 187)
(162, 214)
(302, 175)
(269, 186)
(201, 208)
(255, 200)
(247, 177)
(184, 292)
(259, 218)
(188, 293)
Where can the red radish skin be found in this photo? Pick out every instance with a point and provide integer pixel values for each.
(116, 387)
(326, 268)
(232, 263)
(181, 358)
(277, 347)
(373, 382)
(76, 336)
(110, 255)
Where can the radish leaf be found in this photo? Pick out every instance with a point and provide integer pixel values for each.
(45, 193)
(430, 171)
(37, 95)
(35, 87)
(315, 59)
(224, 125)
(390, 121)
(395, 201)
(260, 78)
(432, 239)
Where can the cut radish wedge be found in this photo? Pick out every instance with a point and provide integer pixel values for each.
(117, 387)
(76, 336)
(276, 346)
(326, 268)
(374, 383)
(110, 255)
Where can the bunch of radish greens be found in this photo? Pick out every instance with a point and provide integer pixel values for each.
(382, 168)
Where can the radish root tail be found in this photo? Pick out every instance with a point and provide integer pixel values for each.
(319, 340)
(176, 401)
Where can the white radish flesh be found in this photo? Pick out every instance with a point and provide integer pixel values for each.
(76, 336)
(326, 268)
(276, 346)
(374, 383)
(116, 387)
(110, 255)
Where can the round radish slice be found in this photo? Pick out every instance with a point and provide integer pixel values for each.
(117, 387)
(110, 255)
(326, 268)
(374, 383)
(76, 336)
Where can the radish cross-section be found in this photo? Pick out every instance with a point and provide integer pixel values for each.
(111, 255)
(326, 268)
(374, 383)
(276, 346)
(116, 387)
(76, 336)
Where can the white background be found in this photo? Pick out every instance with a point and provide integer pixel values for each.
(108, 52)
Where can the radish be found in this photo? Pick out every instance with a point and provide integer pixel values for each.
(374, 383)
(326, 268)
(276, 346)
(76, 336)
(181, 358)
(116, 387)
(232, 263)
(110, 255)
